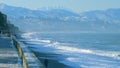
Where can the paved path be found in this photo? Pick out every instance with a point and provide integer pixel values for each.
(8, 54)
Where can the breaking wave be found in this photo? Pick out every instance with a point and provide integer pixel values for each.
(75, 60)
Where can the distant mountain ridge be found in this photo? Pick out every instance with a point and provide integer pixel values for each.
(51, 13)
(63, 20)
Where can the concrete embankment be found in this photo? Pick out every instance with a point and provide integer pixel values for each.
(8, 54)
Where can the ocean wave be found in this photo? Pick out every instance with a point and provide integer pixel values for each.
(28, 35)
(88, 51)
(76, 59)
(63, 48)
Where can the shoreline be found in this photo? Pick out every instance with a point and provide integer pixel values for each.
(47, 60)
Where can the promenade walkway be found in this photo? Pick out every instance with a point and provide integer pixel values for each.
(8, 54)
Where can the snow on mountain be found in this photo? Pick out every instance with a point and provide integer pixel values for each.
(2, 6)
(62, 19)
(50, 13)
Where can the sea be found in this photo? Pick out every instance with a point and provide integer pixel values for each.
(77, 50)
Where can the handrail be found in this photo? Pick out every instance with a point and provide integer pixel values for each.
(20, 53)
(25, 55)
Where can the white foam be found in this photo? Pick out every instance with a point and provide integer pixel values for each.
(87, 51)
(37, 40)
(67, 50)
(28, 34)
(72, 59)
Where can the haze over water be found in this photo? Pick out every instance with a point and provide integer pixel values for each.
(74, 33)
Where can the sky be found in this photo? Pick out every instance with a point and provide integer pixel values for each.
(74, 5)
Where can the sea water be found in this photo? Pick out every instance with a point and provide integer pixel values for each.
(78, 50)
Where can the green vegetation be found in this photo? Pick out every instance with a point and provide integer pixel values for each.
(6, 26)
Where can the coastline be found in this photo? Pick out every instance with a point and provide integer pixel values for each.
(49, 62)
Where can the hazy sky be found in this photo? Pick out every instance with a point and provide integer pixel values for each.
(75, 5)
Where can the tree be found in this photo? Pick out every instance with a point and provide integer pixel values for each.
(6, 26)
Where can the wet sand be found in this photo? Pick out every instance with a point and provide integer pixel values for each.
(51, 60)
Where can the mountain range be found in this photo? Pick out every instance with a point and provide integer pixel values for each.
(62, 20)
